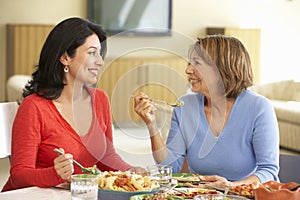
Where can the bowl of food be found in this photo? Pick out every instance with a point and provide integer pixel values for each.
(122, 185)
(121, 195)
(273, 190)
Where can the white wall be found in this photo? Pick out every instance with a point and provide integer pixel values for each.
(278, 20)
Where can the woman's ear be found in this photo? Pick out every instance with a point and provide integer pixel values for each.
(64, 59)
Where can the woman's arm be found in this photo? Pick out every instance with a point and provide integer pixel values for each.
(158, 147)
(174, 151)
(144, 107)
(26, 139)
(266, 142)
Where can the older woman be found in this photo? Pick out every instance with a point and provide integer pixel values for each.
(224, 130)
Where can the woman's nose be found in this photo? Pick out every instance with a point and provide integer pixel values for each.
(189, 69)
(100, 60)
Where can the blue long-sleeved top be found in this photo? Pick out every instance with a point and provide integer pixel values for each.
(248, 144)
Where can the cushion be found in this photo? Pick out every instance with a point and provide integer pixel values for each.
(275, 90)
(288, 111)
(296, 91)
(15, 85)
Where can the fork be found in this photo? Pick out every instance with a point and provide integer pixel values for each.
(177, 104)
(84, 169)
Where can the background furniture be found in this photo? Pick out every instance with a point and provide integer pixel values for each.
(289, 168)
(285, 97)
(15, 85)
(7, 114)
(24, 43)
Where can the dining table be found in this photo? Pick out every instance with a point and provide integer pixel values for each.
(30, 193)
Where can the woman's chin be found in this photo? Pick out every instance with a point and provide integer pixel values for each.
(92, 81)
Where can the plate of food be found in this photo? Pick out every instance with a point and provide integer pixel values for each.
(190, 193)
(155, 196)
(218, 197)
(244, 190)
(122, 185)
(183, 178)
(175, 194)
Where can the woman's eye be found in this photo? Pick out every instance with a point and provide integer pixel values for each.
(92, 53)
(195, 62)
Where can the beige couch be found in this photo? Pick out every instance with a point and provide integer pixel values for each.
(15, 85)
(285, 97)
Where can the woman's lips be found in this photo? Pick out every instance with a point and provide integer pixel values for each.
(94, 71)
(194, 81)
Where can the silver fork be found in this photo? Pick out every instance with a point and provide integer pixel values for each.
(177, 104)
(83, 169)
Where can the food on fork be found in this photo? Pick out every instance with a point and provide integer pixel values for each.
(91, 170)
(87, 170)
(180, 103)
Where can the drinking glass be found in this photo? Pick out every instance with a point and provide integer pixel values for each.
(84, 187)
(162, 174)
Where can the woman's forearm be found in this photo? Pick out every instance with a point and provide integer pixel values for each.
(159, 149)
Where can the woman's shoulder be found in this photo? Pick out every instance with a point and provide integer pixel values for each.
(34, 99)
(35, 104)
(250, 97)
(253, 95)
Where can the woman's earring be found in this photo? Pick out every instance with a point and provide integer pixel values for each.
(66, 69)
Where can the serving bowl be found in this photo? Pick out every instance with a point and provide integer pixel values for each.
(120, 195)
(273, 190)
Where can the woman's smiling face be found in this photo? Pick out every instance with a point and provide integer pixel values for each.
(200, 74)
(85, 65)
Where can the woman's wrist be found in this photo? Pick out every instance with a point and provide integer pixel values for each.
(152, 128)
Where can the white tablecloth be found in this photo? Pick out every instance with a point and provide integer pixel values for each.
(33, 193)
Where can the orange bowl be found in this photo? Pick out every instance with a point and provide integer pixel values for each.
(273, 190)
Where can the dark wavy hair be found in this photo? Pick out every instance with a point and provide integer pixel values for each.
(48, 79)
(230, 57)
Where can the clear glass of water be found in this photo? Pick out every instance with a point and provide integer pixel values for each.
(84, 187)
(162, 174)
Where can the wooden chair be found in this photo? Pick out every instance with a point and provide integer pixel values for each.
(289, 168)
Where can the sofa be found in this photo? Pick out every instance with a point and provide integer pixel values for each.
(285, 97)
(15, 85)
